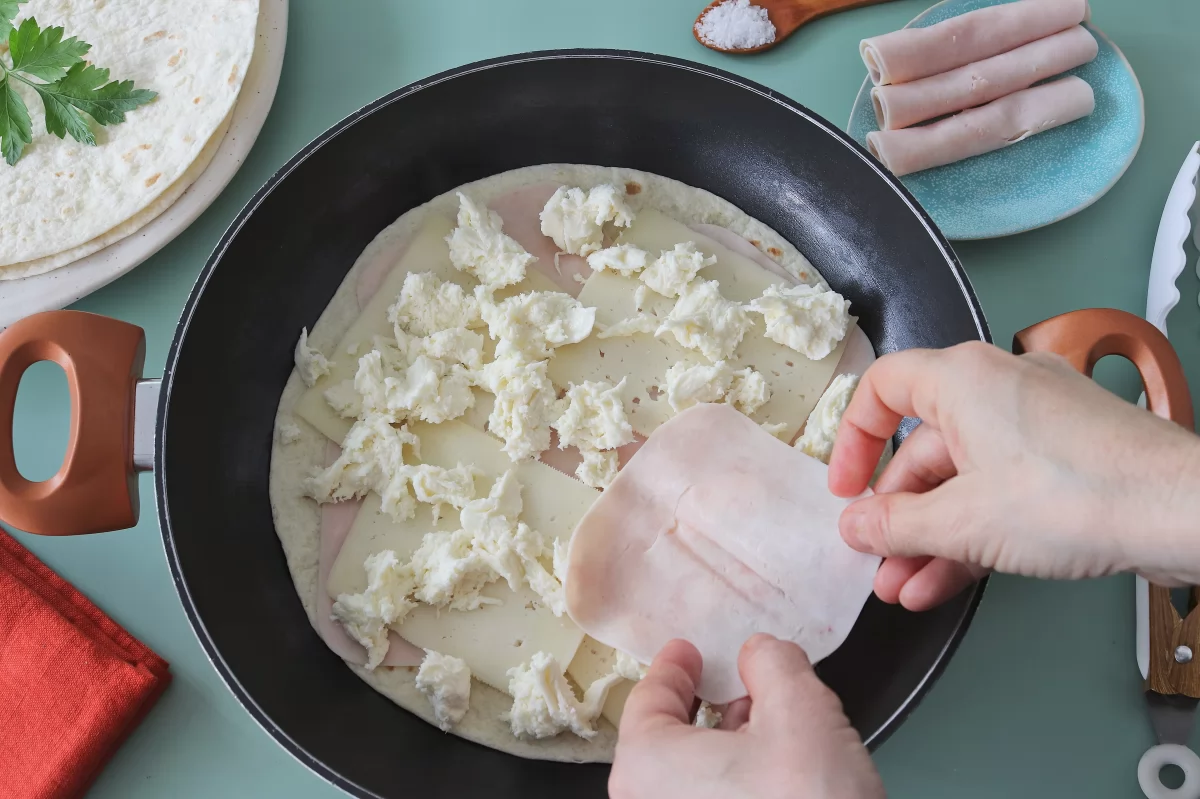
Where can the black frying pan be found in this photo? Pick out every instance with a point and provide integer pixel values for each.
(279, 264)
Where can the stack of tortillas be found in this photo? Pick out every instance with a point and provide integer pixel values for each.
(65, 200)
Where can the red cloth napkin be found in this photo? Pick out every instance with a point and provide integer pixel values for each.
(73, 684)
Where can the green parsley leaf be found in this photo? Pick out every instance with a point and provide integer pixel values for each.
(8, 10)
(62, 118)
(15, 130)
(85, 87)
(43, 53)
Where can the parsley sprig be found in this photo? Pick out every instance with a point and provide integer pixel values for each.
(68, 87)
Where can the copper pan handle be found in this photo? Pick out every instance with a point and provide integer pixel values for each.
(95, 489)
(1083, 338)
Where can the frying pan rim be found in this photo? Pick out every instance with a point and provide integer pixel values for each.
(210, 650)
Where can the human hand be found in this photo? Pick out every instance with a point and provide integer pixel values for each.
(1020, 464)
(788, 738)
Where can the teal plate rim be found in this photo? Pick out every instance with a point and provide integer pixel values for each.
(959, 224)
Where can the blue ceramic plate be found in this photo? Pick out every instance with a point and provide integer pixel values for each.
(1038, 181)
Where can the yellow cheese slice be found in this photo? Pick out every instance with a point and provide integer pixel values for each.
(593, 661)
(428, 252)
(494, 638)
(796, 382)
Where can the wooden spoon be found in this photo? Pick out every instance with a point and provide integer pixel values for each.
(786, 15)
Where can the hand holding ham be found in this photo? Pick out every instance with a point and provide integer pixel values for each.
(788, 738)
(1021, 465)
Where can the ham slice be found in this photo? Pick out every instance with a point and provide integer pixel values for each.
(901, 105)
(714, 531)
(980, 130)
(914, 53)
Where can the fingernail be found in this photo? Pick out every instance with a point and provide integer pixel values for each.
(852, 526)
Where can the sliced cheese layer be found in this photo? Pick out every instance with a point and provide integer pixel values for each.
(494, 638)
(594, 661)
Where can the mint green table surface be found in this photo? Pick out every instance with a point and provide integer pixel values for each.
(1042, 699)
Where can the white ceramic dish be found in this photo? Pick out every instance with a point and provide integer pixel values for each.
(61, 287)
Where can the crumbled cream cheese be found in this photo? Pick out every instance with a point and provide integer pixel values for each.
(544, 703)
(310, 363)
(446, 683)
(641, 297)
(706, 717)
(808, 319)
(748, 391)
(673, 270)
(372, 459)
(427, 305)
(575, 219)
(436, 486)
(691, 384)
(449, 572)
(776, 429)
(288, 433)
(453, 345)
(820, 430)
(428, 389)
(598, 468)
(638, 323)
(561, 559)
(628, 667)
(624, 259)
(524, 405)
(367, 616)
(593, 419)
(704, 320)
(537, 321)
(480, 247)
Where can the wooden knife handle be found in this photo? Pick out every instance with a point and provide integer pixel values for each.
(1083, 338)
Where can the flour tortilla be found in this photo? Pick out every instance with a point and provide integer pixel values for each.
(298, 519)
(63, 194)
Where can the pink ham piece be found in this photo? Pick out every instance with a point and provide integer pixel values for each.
(904, 104)
(980, 130)
(713, 532)
(914, 53)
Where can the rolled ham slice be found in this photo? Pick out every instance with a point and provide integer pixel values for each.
(990, 127)
(904, 104)
(914, 53)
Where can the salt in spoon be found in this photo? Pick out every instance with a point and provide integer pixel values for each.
(786, 15)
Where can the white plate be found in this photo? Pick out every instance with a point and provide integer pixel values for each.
(61, 287)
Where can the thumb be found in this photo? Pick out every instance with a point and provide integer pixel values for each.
(909, 525)
(785, 692)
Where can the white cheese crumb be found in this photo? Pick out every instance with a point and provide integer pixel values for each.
(344, 400)
(288, 433)
(544, 703)
(575, 219)
(639, 323)
(629, 668)
(446, 682)
(690, 384)
(598, 468)
(704, 320)
(808, 319)
(736, 25)
(428, 389)
(524, 403)
(449, 572)
(535, 322)
(593, 419)
(372, 459)
(561, 559)
(385, 602)
(641, 296)
(427, 305)
(706, 717)
(673, 270)
(453, 345)
(310, 363)
(820, 430)
(776, 429)
(624, 259)
(578, 278)
(480, 247)
(436, 486)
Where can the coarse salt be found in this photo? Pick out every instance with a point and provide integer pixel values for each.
(736, 25)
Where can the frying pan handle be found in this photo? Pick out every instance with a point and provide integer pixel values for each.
(95, 489)
(1084, 337)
